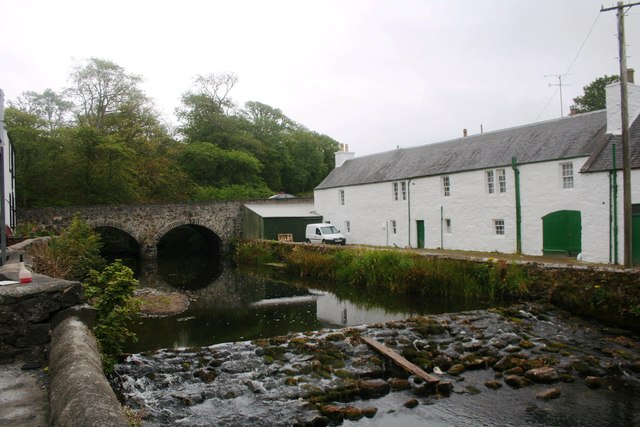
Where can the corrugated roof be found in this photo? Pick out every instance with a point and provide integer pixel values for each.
(283, 210)
(565, 138)
(603, 158)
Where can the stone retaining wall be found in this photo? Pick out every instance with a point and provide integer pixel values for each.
(79, 392)
(27, 312)
(39, 322)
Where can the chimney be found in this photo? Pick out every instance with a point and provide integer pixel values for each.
(343, 154)
(464, 133)
(630, 72)
(572, 110)
(614, 121)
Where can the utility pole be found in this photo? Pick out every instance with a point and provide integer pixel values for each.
(626, 155)
(559, 76)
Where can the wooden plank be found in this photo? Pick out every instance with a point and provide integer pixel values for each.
(400, 361)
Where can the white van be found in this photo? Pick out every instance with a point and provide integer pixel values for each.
(324, 233)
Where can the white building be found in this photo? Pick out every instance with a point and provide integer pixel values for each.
(7, 172)
(461, 194)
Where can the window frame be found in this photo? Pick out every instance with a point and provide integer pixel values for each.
(502, 180)
(568, 180)
(447, 225)
(394, 226)
(347, 226)
(395, 191)
(341, 197)
(499, 227)
(490, 180)
(446, 185)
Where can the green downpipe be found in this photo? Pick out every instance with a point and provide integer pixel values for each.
(615, 205)
(441, 227)
(516, 173)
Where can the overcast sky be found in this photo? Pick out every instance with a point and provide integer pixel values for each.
(370, 73)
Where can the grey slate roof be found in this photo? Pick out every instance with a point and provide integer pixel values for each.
(603, 158)
(566, 138)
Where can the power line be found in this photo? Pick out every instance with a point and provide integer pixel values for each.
(568, 69)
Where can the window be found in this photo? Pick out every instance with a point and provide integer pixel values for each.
(498, 224)
(347, 226)
(341, 197)
(567, 174)
(491, 185)
(447, 225)
(399, 190)
(394, 229)
(446, 186)
(502, 180)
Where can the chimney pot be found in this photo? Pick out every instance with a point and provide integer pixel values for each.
(464, 133)
(630, 75)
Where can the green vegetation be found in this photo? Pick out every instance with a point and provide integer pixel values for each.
(111, 293)
(389, 271)
(102, 141)
(594, 97)
(75, 255)
(70, 255)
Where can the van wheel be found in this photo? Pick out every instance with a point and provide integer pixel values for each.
(308, 241)
(343, 243)
(323, 242)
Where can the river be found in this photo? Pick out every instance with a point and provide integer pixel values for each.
(253, 351)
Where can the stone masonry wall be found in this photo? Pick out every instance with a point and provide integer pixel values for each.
(27, 312)
(147, 224)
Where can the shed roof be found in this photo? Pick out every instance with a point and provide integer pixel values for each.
(283, 210)
(576, 136)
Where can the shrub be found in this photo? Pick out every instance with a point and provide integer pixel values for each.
(70, 255)
(111, 293)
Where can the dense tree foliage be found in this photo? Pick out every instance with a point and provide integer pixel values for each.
(594, 97)
(101, 141)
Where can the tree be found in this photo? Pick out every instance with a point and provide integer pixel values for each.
(594, 97)
(51, 108)
(101, 88)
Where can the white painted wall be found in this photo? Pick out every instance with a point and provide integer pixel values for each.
(614, 116)
(369, 208)
(8, 181)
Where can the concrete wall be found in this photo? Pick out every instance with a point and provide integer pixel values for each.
(79, 392)
(371, 208)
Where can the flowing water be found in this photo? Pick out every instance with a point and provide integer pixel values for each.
(213, 364)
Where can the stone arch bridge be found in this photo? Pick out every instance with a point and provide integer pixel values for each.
(147, 224)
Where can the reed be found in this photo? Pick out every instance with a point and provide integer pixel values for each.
(394, 271)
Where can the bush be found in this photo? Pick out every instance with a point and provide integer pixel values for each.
(72, 254)
(111, 293)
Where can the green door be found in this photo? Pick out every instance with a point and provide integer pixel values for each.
(636, 239)
(420, 228)
(562, 233)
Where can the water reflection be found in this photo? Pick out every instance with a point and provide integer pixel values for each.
(227, 305)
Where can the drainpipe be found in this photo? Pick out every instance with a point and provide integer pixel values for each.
(441, 227)
(615, 205)
(409, 211)
(516, 172)
(610, 216)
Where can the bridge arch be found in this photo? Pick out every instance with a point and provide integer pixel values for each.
(132, 235)
(212, 236)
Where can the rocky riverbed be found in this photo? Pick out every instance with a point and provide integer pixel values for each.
(521, 365)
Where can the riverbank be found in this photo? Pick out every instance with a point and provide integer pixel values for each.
(608, 293)
(522, 365)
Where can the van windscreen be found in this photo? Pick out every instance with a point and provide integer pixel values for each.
(329, 230)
